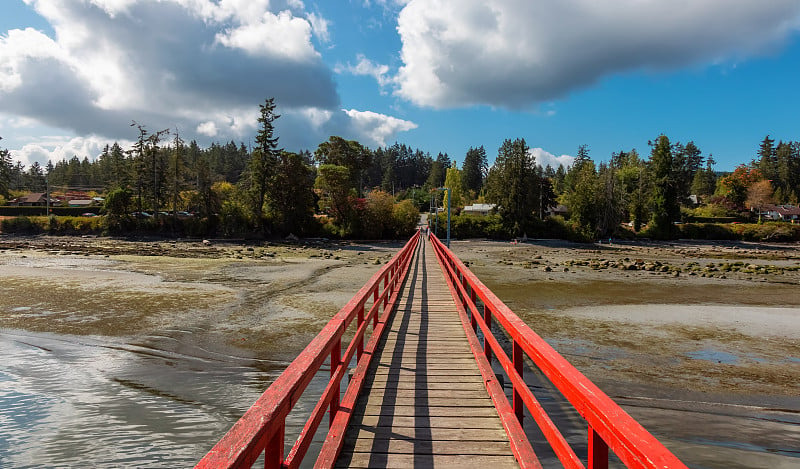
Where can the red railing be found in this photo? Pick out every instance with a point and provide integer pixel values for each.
(608, 425)
(261, 430)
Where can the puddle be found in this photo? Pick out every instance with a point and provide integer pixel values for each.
(714, 355)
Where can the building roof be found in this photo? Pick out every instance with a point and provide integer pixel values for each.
(81, 202)
(480, 207)
(32, 198)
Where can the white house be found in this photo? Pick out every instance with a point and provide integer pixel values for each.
(478, 209)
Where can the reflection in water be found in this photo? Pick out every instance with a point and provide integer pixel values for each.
(73, 401)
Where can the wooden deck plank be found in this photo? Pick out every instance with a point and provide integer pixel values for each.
(424, 403)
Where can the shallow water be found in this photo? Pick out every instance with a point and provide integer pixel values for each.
(69, 401)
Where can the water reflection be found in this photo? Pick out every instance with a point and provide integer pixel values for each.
(73, 401)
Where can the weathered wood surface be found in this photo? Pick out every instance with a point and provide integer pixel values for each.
(424, 403)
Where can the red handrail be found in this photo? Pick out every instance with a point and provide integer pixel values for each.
(608, 425)
(261, 429)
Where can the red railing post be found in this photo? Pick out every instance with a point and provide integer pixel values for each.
(598, 451)
(517, 397)
(385, 286)
(336, 361)
(359, 322)
(487, 347)
(273, 450)
(374, 302)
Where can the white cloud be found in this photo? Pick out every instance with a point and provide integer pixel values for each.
(208, 129)
(18, 47)
(192, 64)
(377, 128)
(544, 158)
(57, 148)
(515, 53)
(319, 26)
(276, 36)
(366, 67)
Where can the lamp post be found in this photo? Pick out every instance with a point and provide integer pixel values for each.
(447, 189)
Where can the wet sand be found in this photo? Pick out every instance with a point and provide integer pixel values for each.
(697, 340)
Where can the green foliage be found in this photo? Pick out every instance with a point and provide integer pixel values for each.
(453, 182)
(333, 181)
(664, 197)
(6, 168)
(512, 184)
(711, 211)
(379, 221)
(772, 231)
(291, 197)
(118, 202)
(735, 186)
(405, 218)
(54, 225)
(580, 197)
(474, 170)
(348, 154)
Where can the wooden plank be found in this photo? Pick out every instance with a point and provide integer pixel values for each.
(425, 403)
(424, 446)
(431, 432)
(404, 461)
(448, 421)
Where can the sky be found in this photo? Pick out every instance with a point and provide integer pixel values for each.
(438, 75)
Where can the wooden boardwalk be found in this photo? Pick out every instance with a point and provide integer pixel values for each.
(424, 403)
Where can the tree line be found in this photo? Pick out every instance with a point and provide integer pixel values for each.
(346, 189)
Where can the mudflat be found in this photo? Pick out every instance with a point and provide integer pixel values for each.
(699, 341)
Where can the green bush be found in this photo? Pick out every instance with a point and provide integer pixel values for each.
(773, 231)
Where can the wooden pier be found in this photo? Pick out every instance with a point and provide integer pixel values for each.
(424, 403)
(423, 391)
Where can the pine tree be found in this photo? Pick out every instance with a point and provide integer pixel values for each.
(664, 197)
(512, 185)
(473, 171)
(263, 161)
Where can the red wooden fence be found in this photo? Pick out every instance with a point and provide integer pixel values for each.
(608, 425)
(261, 429)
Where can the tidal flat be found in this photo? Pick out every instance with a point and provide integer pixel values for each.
(143, 353)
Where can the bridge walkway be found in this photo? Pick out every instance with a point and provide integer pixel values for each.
(424, 403)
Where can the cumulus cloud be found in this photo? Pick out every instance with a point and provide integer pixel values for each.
(544, 158)
(57, 148)
(370, 128)
(366, 67)
(515, 53)
(202, 66)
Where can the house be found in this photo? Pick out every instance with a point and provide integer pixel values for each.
(80, 202)
(36, 199)
(557, 210)
(781, 212)
(478, 209)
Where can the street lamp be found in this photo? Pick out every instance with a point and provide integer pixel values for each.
(446, 189)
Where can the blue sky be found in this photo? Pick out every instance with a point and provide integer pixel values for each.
(439, 75)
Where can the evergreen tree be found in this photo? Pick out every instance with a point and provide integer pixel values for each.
(292, 199)
(438, 171)
(512, 185)
(705, 180)
(5, 171)
(767, 163)
(664, 197)
(580, 195)
(474, 169)
(263, 161)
